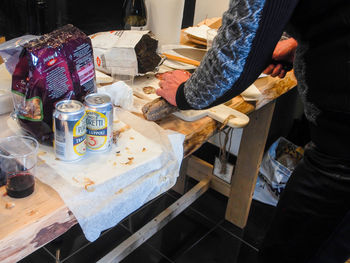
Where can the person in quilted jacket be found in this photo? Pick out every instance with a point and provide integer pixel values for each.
(317, 197)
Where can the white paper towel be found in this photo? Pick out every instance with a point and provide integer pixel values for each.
(116, 192)
(165, 19)
(120, 93)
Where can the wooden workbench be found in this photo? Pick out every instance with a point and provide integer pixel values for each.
(41, 217)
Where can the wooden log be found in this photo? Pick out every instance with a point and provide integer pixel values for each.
(197, 132)
(158, 109)
(152, 227)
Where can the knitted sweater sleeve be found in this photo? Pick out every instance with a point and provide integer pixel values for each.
(241, 50)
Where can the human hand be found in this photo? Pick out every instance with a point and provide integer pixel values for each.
(169, 84)
(284, 52)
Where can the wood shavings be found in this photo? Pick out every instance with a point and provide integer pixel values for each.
(88, 185)
(125, 128)
(132, 138)
(119, 192)
(88, 180)
(116, 135)
(10, 205)
(130, 161)
(89, 188)
(144, 149)
(40, 162)
(32, 212)
(149, 90)
(75, 179)
(127, 149)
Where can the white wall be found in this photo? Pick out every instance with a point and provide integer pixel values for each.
(208, 9)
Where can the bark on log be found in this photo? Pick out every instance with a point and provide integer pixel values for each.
(157, 109)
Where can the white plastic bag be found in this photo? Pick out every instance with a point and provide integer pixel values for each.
(276, 167)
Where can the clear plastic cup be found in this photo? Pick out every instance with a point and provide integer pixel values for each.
(211, 33)
(18, 158)
(123, 74)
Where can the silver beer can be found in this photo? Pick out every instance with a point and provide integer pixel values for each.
(99, 122)
(69, 126)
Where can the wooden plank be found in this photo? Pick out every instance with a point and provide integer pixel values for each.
(33, 222)
(197, 132)
(152, 227)
(199, 169)
(180, 185)
(247, 165)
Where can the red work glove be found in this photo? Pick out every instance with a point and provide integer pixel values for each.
(170, 83)
(284, 51)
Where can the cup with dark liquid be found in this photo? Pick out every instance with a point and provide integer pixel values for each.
(18, 157)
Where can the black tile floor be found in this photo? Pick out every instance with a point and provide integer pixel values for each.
(199, 234)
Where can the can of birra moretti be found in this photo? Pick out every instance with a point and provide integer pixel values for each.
(99, 122)
(69, 126)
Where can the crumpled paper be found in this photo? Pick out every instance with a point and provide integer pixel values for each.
(120, 93)
(105, 204)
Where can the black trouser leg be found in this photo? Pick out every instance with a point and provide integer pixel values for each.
(314, 202)
(337, 247)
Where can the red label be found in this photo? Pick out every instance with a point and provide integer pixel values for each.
(98, 61)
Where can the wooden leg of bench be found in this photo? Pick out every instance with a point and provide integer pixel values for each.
(182, 179)
(247, 166)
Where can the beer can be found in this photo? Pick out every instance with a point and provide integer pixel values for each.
(69, 126)
(99, 122)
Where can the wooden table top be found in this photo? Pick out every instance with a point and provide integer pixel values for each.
(43, 216)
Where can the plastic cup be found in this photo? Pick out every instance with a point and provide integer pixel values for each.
(211, 33)
(18, 158)
(123, 74)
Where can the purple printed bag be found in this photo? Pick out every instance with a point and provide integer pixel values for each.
(56, 66)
